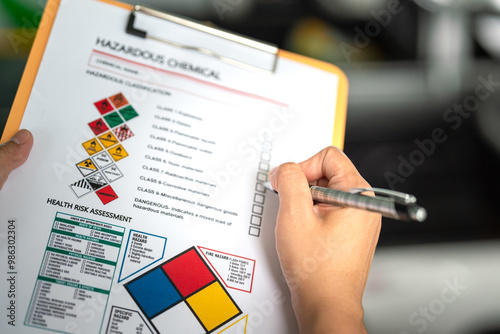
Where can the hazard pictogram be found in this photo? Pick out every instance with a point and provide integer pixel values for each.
(86, 167)
(106, 195)
(98, 126)
(103, 106)
(128, 113)
(123, 132)
(113, 119)
(81, 188)
(118, 152)
(108, 139)
(92, 146)
(118, 100)
(112, 173)
(96, 181)
(102, 159)
(99, 170)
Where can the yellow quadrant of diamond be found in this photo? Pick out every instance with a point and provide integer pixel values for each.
(213, 306)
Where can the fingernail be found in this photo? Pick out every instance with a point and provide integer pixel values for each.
(21, 137)
(272, 174)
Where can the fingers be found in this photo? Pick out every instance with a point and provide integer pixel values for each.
(328, 168)
(293, 189)
(338, 241)
(14, 153)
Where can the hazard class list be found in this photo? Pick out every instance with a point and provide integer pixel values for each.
(174, 168)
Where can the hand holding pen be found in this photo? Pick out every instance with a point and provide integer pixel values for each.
(389, 203)
(325, 250)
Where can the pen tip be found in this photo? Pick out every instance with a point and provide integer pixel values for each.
(418, 214)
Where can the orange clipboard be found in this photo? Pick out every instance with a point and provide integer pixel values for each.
(27, 81)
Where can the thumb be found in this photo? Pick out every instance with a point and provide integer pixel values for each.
(14, 153)
(293, 189)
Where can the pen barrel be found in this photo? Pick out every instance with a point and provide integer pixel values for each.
(384, 206)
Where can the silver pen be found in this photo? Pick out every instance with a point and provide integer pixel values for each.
(389, 203)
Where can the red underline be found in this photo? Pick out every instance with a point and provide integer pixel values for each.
(231, 90)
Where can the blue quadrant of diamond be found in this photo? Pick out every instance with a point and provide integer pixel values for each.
(153, 292)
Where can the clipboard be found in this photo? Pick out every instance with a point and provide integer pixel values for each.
(138, 168)
(36, 54)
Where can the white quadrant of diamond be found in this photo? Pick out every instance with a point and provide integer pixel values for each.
(178, 319)
(102, 159)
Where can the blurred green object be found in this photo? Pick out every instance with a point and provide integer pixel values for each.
(19, 22)
(18, 11)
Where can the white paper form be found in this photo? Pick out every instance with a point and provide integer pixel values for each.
(141, 208)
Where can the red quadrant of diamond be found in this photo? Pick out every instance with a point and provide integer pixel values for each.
(188, 272)
(106, 195)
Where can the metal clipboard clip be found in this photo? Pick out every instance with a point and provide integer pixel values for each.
(269, 53)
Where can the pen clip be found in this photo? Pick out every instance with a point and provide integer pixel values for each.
(397, 196)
